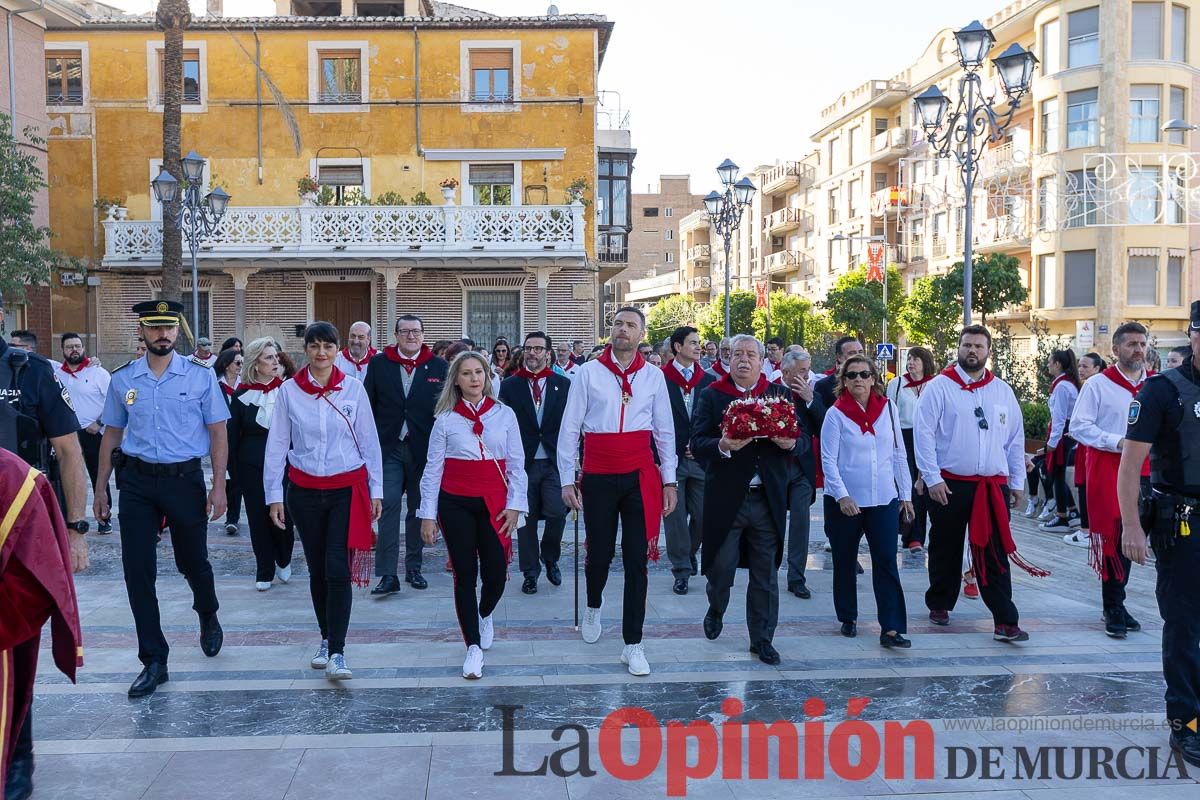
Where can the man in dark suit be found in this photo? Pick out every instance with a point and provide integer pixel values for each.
(538, 395)
(685, 380)
(810, 412)
(745, 505)
(403, 384)
(843, 348)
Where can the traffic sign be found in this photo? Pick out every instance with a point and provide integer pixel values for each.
(885, 351)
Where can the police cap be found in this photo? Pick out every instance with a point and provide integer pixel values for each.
(158, 312)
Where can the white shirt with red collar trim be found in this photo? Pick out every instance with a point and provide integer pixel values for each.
(453, 437)
(350, 368)
(1101, 412)
(87, 389)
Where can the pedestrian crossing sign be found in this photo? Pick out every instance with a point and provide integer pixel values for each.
(885, 351)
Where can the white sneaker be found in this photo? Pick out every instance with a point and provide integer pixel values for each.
(1078, 539)
(1048, 511)
(634, 656)
(336, 669)
(1031, 507)
(591, 624)
(283, 573)
(262, 586)
(473, 666)
(321, 658)
(487, 632)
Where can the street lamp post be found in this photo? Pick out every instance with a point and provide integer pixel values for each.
(974, 120)
(725, 214)
(195, 217)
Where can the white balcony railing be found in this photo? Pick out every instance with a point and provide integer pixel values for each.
(786, 219)
(1007, 229)
(653, 286)
(700, 252)
(365, 231)
(787, 175)
(788, 260)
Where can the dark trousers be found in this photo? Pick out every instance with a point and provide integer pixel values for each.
(545, 502)
(24, 665)
(800, 494)
(144, 501)
(1083, 515)
(608, 499)
(233, 494)
(1063, 499)
(879, 524)
(323, 521)
(272, 546)
(401, 480)
(683, 526)
(1178, 593)
(89, 443)
(1112, 590)
(947, 537)
(754, 524)
(914, 531)
(475, 551)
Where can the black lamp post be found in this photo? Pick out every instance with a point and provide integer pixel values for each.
(725, 214)
(974, 121)
(195, 217)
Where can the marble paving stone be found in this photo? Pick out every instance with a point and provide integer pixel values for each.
(368, 772)
(118, 776)
(457, 772)
(226, 775)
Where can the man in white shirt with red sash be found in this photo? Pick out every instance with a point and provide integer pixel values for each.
(970, 443)
(619, 404)
(353, 359)
(1099, 421)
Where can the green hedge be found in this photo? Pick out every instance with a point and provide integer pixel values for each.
(1037, 419)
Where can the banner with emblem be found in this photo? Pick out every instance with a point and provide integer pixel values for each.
(875, 257)
(760, 294)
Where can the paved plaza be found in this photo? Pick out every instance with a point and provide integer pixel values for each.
(256, 723)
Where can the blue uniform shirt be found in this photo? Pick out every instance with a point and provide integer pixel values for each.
(164, 418)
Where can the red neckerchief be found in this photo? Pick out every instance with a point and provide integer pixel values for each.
(909, 383)
(271, 386)
(672, 373)
(409, 364)
(606, 358)
(776, 365)
(371, 351)
(1114, 374)
(719, 368)
(952, 373)
(82, 366)
(727, 386)
(533, 378)
(1054, 383)
(304, 380)
(865, 418)
(830, 371)
(475, 417)
(227, 389)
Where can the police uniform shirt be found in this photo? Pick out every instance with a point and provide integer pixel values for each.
(88, 389)
(1154, 419)
(37, 394)
(165, 419)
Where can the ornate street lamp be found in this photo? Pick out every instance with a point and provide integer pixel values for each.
(961, 133)
(725, 214)
(197, 218)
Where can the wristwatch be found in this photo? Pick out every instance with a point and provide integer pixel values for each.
(79, 527)
(673, 485)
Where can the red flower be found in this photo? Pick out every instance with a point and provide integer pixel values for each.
(767, 417)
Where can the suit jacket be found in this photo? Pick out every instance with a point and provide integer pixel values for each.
(683, 420)
(727, 480)
(811, 418)
(515, 393)
(392, 409)
(824, 389)
(247, 439)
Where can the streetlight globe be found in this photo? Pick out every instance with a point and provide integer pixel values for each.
(728, 172)
(218, 201)
(931, 105)
(974, 42)
(743, 191)
(712, 204)
(1015, 66)
(1178, 126)
(165, 187)
(193, 166)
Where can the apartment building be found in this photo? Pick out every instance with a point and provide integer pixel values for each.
(655, 253)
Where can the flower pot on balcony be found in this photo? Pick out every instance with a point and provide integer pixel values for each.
(121, 212)
(308, 199)
(448, 195)
(110, 213)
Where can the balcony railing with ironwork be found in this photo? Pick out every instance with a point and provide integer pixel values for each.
(612, 253)
(938, 246)
(788, 175)
(788, 260)
(787, 219)
(365, 231)
(1006, 230)
(894, 141)
(700, 252)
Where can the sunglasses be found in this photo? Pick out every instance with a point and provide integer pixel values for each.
(983, 423)
(865, 375)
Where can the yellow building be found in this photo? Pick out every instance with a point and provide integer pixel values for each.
(387, 108)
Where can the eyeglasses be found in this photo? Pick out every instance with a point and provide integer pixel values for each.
(983, 424)
(864, 375)
(409, 332)
(535, 350)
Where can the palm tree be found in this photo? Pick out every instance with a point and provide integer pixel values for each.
(173, 17)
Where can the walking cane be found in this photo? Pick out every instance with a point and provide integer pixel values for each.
(575, 515)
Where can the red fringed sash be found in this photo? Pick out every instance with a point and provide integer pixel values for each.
(619, 453)
(359, 539)
(483, 478)
(989, 516)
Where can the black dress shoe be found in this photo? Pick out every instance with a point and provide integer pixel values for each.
(766, 652)
(151, 677)
(681, 586)
(695, 566)
(19, 785)
(712, 624)
(849, 630)
(890, 640)
(859, 569)
(1114, 623)
(388, 584)
(553, 574)
(415, 579)
(801, 591)
(211, 636)
(529, 586)
(1188, 748)
(1131, 624)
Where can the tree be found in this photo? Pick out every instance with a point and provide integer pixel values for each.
(930, 316)
(856, 306)
(793, 319)
(668, 314)
(25, 253)
(741, 313)
(173, 17)
(995, 284)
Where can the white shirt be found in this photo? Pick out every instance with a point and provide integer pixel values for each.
(1062, 403)
(452, 437)
(87, 389)
(208, 362)
(347, 366)
(313, 436)
(856, 464)
(1101, 413)
(594, 406)
(905, 398)
(569, 370)
(947, 436)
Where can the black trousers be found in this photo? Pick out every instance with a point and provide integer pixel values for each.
(272, 546)
(879, 524)
(475, 551)
(1112, 590)
(755, 529)
(1178, 594)
(144, 501)
(947, 537)
(545, 502)
(401, 481)
(608, 499)
(323, 521)
(1083, 515)
(89, 443)
(1063, 499)
(685, 526)
(233, 493)
(914, 531)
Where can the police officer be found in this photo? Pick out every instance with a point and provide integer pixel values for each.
(166, 413)
(1164, 421)
(36, 416)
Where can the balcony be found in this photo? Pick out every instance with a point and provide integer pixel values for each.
(894, 143)
(1004, 234)
(1004, 161)
(786, 176)
(698, 253)
(787, 219)
(788, 260)
(699, 284)
(612, 253)
(890, 201)
(653, 287)
(938, 246)
(331, 232)
(695, 221)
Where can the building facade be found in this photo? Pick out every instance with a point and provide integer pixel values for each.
(654, 242)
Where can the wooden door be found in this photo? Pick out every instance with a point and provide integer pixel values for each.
(342, 303)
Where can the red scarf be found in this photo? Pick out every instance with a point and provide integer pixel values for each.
(719, 368)
(360, 540)
(830, 371)
(1057, 455)
(606, 358)
(274, 384)
(909, 383)
(989, 517)
(305, 381)
(371, 351)
(475, 417)
(533, 378)
(672, 373)
(226, 388)
(1115, 375)
(66, 367)
(952, 373)
(865, 419)
(727, 386)
(409, 364)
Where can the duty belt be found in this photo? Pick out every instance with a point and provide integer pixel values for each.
(1184, 506)
(163, 470)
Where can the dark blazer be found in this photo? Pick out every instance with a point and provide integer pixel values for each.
(515, 393)
(247, 439)
(811, 418)
(683, 421)
(727, 480)
(824, 389)
(392, 409)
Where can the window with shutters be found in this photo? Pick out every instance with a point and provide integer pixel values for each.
(1051, 47)
(1141, 280)
(343, 183)
(1083, 37)
(1079, 278)
(1050, 125)
(1144, 99)
(1177, 110)
(1175, 279)
(491, 76)
(1045, 277)
(1083, 119)
(1147, 34)
(492, 184)
(341, 76)
(191, 76)
(195, 76)
(64, 78)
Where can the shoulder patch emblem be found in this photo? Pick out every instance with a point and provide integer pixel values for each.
(1135, 412)
(1196, 410)
(123, 366)
(198, 362)
(66, 396)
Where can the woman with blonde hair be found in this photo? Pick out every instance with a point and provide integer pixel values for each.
(474, 489)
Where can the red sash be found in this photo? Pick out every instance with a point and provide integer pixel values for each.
(359, 538)
(371, 351)
(952, 373)
(66, 367)
(1081, 460)
(719, 368)
(483, 478)
(615, 454)
(989, 517)
(672, 373)
(409, 364)
(1104, 515)
(1059, 454)
(865, 419)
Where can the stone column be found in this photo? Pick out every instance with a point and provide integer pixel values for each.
(391, 280)
(542, 275)
(241, 277)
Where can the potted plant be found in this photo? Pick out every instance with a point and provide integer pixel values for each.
(421, 199)
(448, 186)
(112, 207)
(576, 191)
(307, 187)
